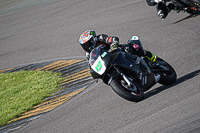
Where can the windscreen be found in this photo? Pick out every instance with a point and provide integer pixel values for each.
(94, 54)
(96, 62)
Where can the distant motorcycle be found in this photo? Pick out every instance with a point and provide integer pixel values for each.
(189, 6)
(127, 74)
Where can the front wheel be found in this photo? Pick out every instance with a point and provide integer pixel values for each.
(167, 77)
(134, 93)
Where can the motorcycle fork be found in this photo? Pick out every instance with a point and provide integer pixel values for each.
(124, 76)
(130, 86)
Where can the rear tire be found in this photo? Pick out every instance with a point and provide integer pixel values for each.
(167, 77)
(118, 86)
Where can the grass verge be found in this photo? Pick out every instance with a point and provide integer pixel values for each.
(20, 91)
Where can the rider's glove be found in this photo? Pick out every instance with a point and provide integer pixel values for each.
(114, 45)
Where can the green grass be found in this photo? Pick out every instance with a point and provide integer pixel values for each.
(20, 91)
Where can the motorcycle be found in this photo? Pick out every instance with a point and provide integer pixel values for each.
(189, 6)
(127, 74)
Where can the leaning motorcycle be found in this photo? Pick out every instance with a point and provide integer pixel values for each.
(189, 6)
(127, 74)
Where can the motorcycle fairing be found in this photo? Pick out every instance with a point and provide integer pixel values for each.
(102, 61)
(185, 3)
(99, 59)
(147, 80)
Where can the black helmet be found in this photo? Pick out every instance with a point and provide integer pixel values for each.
(88, 40)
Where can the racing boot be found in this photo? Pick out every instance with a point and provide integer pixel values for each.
(151, 59)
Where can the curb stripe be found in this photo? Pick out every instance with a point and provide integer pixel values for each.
(48, 105)
(76, 78)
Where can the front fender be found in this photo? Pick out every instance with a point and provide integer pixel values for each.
(113, 75)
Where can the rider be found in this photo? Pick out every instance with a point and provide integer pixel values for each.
(161, 7)
(89, 40)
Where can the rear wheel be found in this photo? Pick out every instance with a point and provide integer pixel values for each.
(167, 77)
(132, 93)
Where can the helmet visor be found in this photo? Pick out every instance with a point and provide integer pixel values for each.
(92, 32)
(89, 45)
(93, 42)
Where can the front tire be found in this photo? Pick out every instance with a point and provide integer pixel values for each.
(120, 87)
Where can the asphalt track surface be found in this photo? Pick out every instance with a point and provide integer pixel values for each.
(50, 29)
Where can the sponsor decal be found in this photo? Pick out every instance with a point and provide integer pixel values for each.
(135, 38)
(98, 66)
(104, 54)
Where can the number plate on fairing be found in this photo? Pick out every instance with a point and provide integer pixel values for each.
(99, 66)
